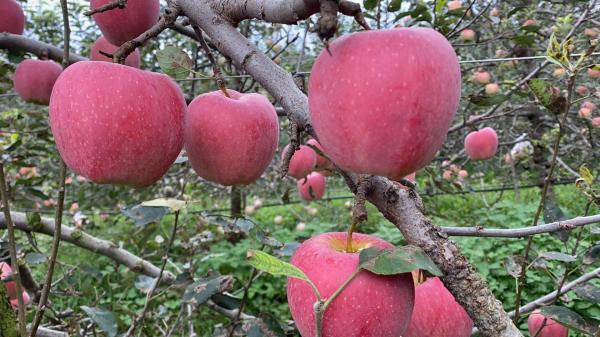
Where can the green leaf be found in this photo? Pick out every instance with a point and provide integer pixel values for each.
(202, 290)
(557, 256)
(226, 301)
(171, 203)
(569, 318)
(487, 100)
(174, 62)
(586, 175)
(396, 260)
(588, 292)
(595, 67)
(592, 254)
(272, 265)
(33, 219)
(439, 5)
(265, 325)
(144, 215)
(547, 95)
(105, 319)
(370, 4)
(394, 5)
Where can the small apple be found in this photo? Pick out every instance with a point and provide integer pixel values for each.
(258, 203)
(454, 168)
(596, 122)
(312, 187)
(370, 306)
(482, 144)
(501, 53)
(278, 220)
(447, 175)
(590, 32)
(300, 226)
(348, 204)
(454, 5)
(302, 163)
(529, 22)
(582, 90)
(585, 113)
(313, 211)
(249, 210)
(467, 35)
(548, 327)
(588, 105)
(593, 73)
(123, 24)
(463, 174)
(558, 73)
(102, 44)
(482, 77)
(74, 207)
(13, 18)
(34, 80)
(492, 88)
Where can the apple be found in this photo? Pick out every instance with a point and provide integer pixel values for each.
(593, 73)
(454, 168)
(231, 140)
(482, 77)
(590, 32)
(482, 144)
(257, 203)
(115, 124)
(447, 175)
(549, 328)
(302, 163)
(501, 53)
(463, 174)
(596, 122)
(13, 18)
(313, 211)
(6, 271)
(529, 22)
(467, 35)
(300, 226)
(495, 12)
(371, 305)
(558, 73)
(585, 113)
(436, 313)
(34, 80)
(249, 210)
(322, 162)
(454, 5)
(102, 44)
(492, 88)
(582, 90)
(390, 107)
(312, 187)
(121, 25)
(588, 105)
(14, 303)
(278, 220)
(348, 204)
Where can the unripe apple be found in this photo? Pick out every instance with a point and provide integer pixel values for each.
(123, 127)
(558, 73)
(312, 187)
(463, 174)
(495, 12)
(588, 105)
(585, 113)
(596, 122)
(482, 144)
(593, 73)
(582, 90)
(121, 25)
(437, 314)
(549, 328)
(322, 162)
(371, 305)
(447, 175)
(34, 80)
(249, 210)
(102, 44)
(300, 226)
(13, 18)
(372, 119)
(313, 211)
(454, 5)
(257, 203)
(302, 163)
(231, 140)
(492, 88)
(482, 77)
(467, 35)
(590, 32)
(278, 220)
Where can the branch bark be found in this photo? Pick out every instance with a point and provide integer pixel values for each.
(41, 49)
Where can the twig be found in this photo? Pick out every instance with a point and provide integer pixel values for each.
(106, 7)
(294, 144)
(216, 70)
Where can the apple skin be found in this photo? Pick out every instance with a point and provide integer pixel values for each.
(379, 116)
(315, 182)
(34, 80)
(482, 144)
(371, 305)
(115, 124)
(550, 329)
(302, 163)
(231, 141)
(434, 303)
(121, 25)
(102, 44)
(13, 18)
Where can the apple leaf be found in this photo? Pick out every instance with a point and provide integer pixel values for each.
(265, 325)
(144, 215)
(272, 265)
(557, 256)
(105, 319)
(203, 289)
(396, 260)
(592, 254)
(588, 292)
(513, 265)
(569, 318)
(171, 203)
(487, 100)
(595, 67)
(174, 62)
(370, 4)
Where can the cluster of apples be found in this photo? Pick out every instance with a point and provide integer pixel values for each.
(481, 76)
(11, 286)
(453, 171)
(310, 169)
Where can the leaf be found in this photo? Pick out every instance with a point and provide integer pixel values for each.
(288, 249)
(524, 40)
(592, 255)
(35, 258)
(171, 203)
(144, 215)
(267, 240)
(370, 4)
(272, 265)
(202, 290)
(487, 100)
(595, 67)
(569, 318)
(144, 283)
(557, 256)
(394, 5)
(588, 292)
(105, 319)
(396, 260)
(547, 95)
(265, 325)
(513, 265)
(174, 62)
(226, 301)
(33, 219)
(586, 174)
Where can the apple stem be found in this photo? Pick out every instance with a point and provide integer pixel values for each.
(224, 90)
(351, 230)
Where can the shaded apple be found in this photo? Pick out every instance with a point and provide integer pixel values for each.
(492, 88)
(102, 44)
(467, 35)
(436, 313)
(115, 124)
(34, 80)
(549, 328)
(302, 163)
(120, 25)
(12, 17)
(482, 144)
(582, 90)
(231, 140)
(312, 187)
(596, 122)
(593, 73)
(371, 305)
(394, 96)
(482, 77)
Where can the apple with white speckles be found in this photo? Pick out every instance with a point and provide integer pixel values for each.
(123, 24)
(394, 96)
(548, 328)
(371, 305)
(115, 124)
(302, 163)
(312, 187)
(102, 44)
(436, 313)
(231, 140)
(482, 144)
(34, 80)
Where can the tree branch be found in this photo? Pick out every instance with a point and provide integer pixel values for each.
(22, 43)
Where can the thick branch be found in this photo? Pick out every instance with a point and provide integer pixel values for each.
(21, 43)
(275, 11)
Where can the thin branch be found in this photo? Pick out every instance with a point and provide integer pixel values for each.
(106, 7)
(216, 70)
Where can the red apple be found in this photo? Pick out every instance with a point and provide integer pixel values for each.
(121, 25)
(371, 305)
(549, 328)
(312, 187)
(492, 88)
(34, 80)
(231, 140)
(482, 77)
(588, 105)
(6, 271)
(12, 17)
(14, 303)
(596, 122)
(590, 32)
(482, 144)
(394, 96)
(558, 73)
(454, 5)
(102, 44)
(585, 113)
(115, 124)
(436, 313)
(302, 163)
(467, 35)
(463, 174)
(447, 175)
(582, 90)
(322, 162)
(593, 73)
